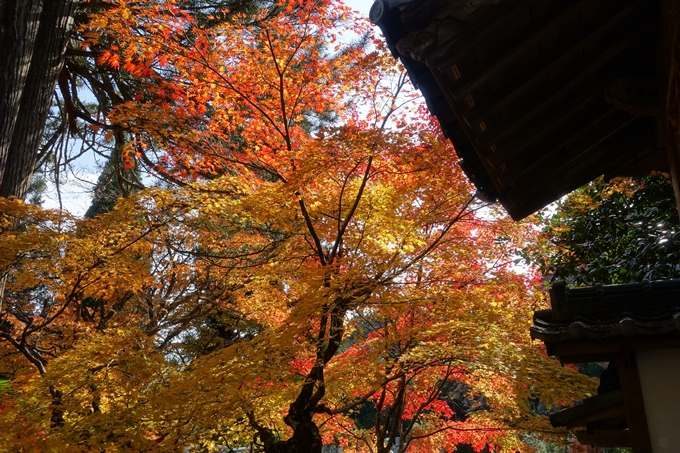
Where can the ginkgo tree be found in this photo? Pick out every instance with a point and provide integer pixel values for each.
(314, 253)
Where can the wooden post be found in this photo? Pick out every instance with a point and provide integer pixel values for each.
(668, 69)
(633, 402)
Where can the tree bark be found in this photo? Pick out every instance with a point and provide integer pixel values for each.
(306, 437)
(19, 21)
(33, 35)
(57, 417)
(33, 39)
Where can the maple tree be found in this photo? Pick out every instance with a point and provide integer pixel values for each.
(88, 89)
(317, 253)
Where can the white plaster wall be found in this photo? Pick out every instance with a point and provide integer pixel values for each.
(660, 380)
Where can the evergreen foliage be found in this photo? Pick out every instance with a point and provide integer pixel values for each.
(623, 231)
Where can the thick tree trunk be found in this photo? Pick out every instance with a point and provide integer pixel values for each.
(57, 417)
(33, 35)
(306, 437)
(33, 39)
(19, 23)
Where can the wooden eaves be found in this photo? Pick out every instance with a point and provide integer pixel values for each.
(602, 416)
(540, 97)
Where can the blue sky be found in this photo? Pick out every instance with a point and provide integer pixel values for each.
(76, 195)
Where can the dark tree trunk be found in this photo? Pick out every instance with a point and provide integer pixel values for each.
(19, 21)
(33, 39)
(306, 437)
(57, 417)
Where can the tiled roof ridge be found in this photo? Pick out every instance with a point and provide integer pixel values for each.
(604, 311)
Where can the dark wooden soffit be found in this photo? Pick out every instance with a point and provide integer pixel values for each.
(607, 406)
(538, 97)
(599, 420)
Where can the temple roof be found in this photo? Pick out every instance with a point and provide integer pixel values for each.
(538, 97)
(600, 312)
(610, 323)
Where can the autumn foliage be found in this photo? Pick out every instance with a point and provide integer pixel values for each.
(314, 255)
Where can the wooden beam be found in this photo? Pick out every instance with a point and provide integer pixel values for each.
(616, 421)
(548, 108)
(670, 64)
(580, 142)
(583, 347)
(565, 58)
(633, 402)
(607, 349)
(510, 52)
(587, 358)
(617, 413)
(595, 408)
(608, 438)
